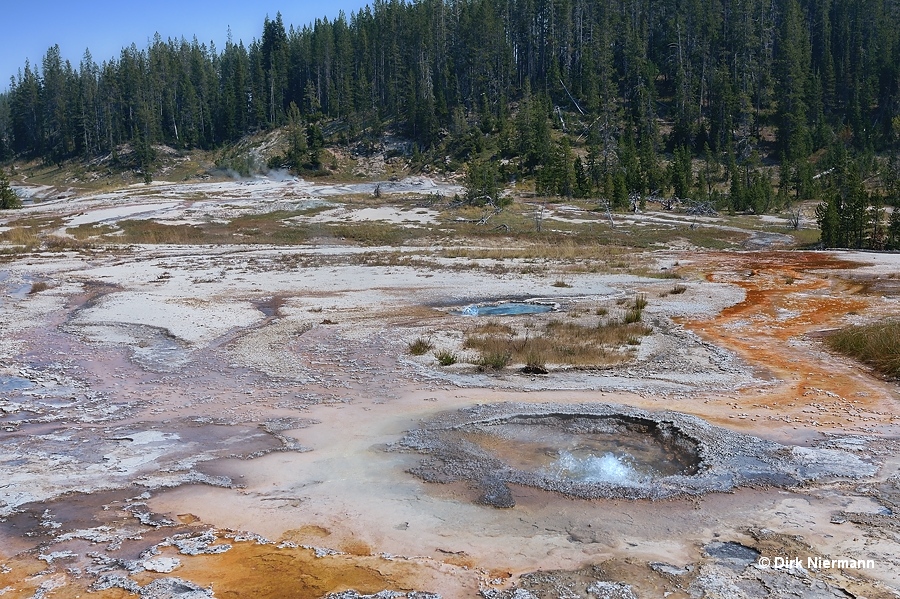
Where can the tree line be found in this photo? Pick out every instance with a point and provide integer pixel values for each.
(740, 103)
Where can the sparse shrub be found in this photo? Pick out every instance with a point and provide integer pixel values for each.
(420, 346)
(601, 312)
(38, 286)
(640, 301)
(561, 283)
(678, 289)
(446, 357)
(535, 362)
(632, 315)
(494, 360)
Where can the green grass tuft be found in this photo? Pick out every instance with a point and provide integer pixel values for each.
(877, 345)
(446, 357)
(420, 346)
(640, 301)
(494, 360)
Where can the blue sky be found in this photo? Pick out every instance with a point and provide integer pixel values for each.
(106, 26)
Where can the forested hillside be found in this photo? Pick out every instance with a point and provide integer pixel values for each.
(744, 104)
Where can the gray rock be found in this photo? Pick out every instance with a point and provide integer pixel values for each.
(611, 590)
(174, 588)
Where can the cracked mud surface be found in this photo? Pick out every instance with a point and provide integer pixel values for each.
(194, 422)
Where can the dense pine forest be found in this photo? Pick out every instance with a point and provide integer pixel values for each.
(741, 105)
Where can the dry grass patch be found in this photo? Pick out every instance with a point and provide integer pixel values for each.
(64, 243)
(371, 233)
(255, 228)
(564, 250)
(391, 258)
(493, 328)
(90, 231)
(557, 342)
(877, 345)
(148, 231)
(24, 236)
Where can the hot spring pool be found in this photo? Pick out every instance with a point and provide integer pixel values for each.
(505, 309)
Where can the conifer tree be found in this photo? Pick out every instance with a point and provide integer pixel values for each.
(793, 67)
(893, 231)
(828, 219)
(680, 173)
(8, 197)
(482, 185)
(297, 140)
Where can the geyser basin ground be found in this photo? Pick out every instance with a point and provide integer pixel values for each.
(345, 495)
(594, 451)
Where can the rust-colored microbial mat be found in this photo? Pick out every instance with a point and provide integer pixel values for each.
(267, 572)
(791, 299)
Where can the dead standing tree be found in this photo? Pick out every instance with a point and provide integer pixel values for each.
(794, 217)
(539, 218)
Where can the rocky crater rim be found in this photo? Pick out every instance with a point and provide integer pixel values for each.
(711, 458)
(681, 449)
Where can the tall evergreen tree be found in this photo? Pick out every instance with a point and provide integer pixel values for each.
(793, 68)
(274, 57)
